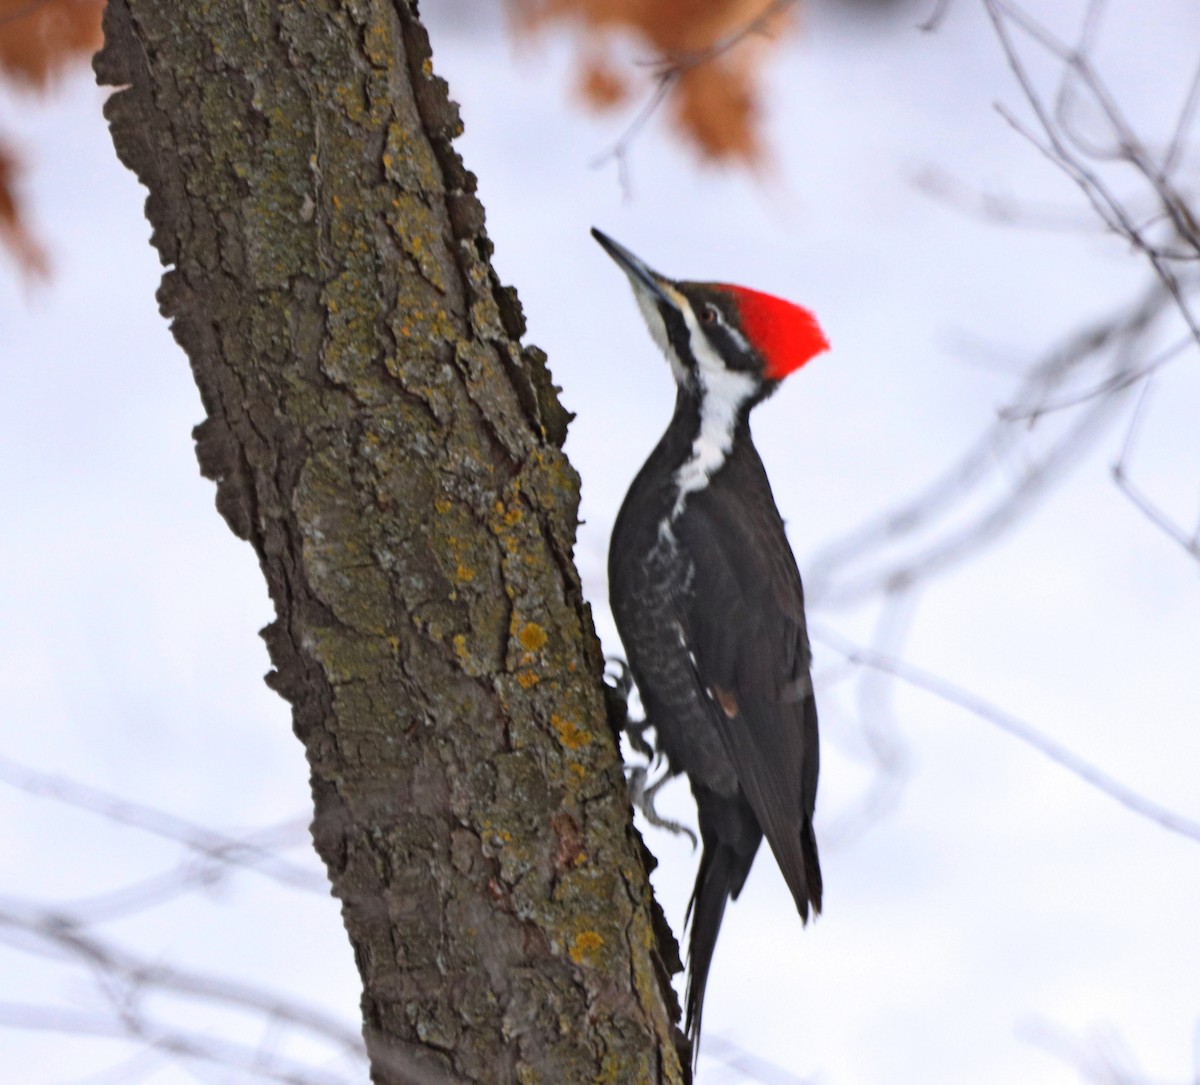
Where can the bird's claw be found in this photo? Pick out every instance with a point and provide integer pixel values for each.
(641, 797)
(618, 684)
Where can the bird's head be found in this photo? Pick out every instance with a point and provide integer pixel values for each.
(718, 336)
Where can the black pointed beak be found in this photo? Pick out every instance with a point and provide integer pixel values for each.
(640, 274)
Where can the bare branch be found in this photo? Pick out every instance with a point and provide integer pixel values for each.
(1064, 145)
(1174, 155)
(760, 24)
(619, 151)
(940, 9)
(994, 208)
(837, 575)
(1153, 513)
(878, 725)
(1117, 382)
(1140, 500)
(750, 1066)
(174, 1042)
(255, 852)
(1104, 1059)
(953, 694)
(127, 983)
(57, 934)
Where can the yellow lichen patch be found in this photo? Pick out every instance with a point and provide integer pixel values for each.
(532, 637)
(413, 222)
(443, 505)
(527, 679)
(349, 96)
(577, 769)
(507, 516)
(378, 45)
(585, 947)
(464, 573)
(570, 734)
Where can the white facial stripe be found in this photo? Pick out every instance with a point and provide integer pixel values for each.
(658, 330)
(730, 330)
(736, 336)
(723, 393)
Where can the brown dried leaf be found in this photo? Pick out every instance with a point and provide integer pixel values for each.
(13, 234)
(39, 38)
(717, 106)
(602, 86)
(715, 101)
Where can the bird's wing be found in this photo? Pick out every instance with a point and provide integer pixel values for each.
(746, 629)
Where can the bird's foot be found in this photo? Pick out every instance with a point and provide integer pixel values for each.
(641, 796)
(618, 685)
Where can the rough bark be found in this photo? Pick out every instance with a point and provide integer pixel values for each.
(379, 435)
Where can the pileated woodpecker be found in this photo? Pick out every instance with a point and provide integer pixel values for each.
(707, 597)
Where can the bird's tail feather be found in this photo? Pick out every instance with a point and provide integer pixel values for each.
(796, 853)
(812, 866)
(722, 874)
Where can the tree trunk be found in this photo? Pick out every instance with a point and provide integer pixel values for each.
(393, 454)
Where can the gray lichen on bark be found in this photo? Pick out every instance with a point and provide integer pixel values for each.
(394, 455)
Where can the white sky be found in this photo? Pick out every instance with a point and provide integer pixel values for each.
(997, 891)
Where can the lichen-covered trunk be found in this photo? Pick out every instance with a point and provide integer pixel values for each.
(393, 454)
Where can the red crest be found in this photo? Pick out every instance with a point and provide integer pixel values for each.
(786, 335)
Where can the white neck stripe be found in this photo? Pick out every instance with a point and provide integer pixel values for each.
(723, 393)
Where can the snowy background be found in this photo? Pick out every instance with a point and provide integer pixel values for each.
(996, 920)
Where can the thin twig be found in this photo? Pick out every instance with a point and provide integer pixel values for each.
(1152, 512)
(877, 722)
(936, 17)
(953, 694)
(862, 564)
(1178, 141)
(175, 1042)
(1117, 382)
(994, 208)
(668, 70)
(57, 934)
(750, 1066)
(254, 852)
(1056, 135)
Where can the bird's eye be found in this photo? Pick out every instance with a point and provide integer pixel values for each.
(709, 314)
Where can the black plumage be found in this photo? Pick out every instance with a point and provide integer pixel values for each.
(710, 608)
